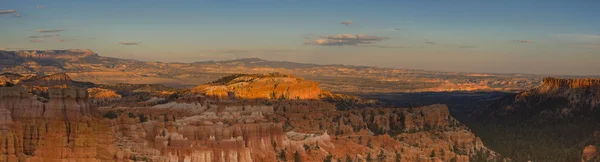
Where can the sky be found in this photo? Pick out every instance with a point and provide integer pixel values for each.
(497, 36)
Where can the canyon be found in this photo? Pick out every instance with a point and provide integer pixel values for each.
(75, 123)
(75, 105)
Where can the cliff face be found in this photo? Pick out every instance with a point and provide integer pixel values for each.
(556, 117)
(58, 79)
(64, 128)
(555, 99)
(417, 134)
(571, 83)
(262, 86)
(197, 129)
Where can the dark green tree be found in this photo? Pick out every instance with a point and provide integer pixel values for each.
(328, 158)
(381, 156)
(297, 157)
(348, 158)
(282, 155)
(369, 158)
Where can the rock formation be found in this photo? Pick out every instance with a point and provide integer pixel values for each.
(559, 118)
(243, 123)
(270, 86)
(64, 128)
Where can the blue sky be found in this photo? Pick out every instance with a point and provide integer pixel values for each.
(506, 36)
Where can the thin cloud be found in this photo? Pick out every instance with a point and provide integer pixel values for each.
(346, 22)
(383, 46)
(49, 31)
(64, 40)
(43, 36)
(40, 6)
(397, 29)
(16, 15)
(522, 41)
(7, 11)
(345, 40)
(578, 36)
(36, 40)
(129, 43)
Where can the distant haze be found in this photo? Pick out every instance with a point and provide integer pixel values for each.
(511, 36)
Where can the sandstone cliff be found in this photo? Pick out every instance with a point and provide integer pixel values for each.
(416, 134)
(269, 86)
(64, 128)
(556, 117)
(555, 99)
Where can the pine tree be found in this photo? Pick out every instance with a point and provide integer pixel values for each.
(328, 158)
(369, 158)
(297, 157)
(381, 156)
(282, 155)
(348, 158)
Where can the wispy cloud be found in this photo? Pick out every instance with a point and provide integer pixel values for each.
(383, 46)
(429, 42)
(578, 36)
(50, 31)
(40, 6)
(129, 43)
(346, 22)
(522, 41)
(36, 40)
(44, 36)
(64, 40)
(345, 40)
(7, 11)
(16, 15)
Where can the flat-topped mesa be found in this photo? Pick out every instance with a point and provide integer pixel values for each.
(50, 80)
(256, 86)
(64, 104)
(572, 83)
(72, 54)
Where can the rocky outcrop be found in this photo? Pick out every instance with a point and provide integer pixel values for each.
(54, 80)
(555, 99)
(102, 96)
(590, 153)
(64, 128)
(270, 86)
(571, 83)
(416, 134)
(556, 117)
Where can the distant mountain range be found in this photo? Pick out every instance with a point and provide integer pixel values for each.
(85, 65)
